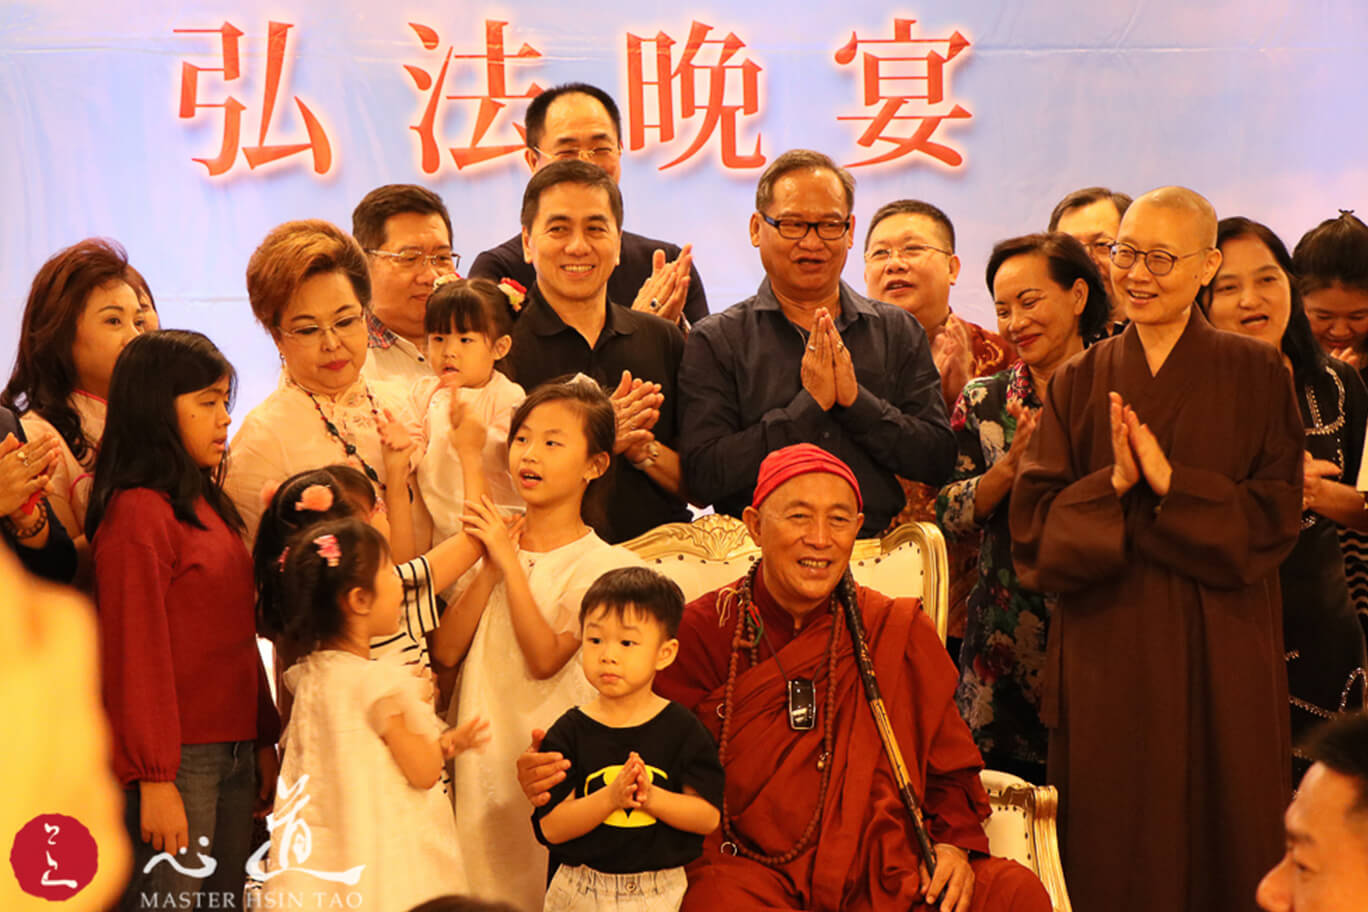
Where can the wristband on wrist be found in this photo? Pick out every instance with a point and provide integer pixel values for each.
(22, 534)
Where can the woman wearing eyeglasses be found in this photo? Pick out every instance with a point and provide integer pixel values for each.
(1254, 294)
(308, 284)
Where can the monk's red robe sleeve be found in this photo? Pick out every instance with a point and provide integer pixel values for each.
(951, 806)
(700, 665)
(954, 802)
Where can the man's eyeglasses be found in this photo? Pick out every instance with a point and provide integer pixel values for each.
(599, 155)
(1158, 262)
(344, 326)
(909, 253)
(797, 229)
(409, 259)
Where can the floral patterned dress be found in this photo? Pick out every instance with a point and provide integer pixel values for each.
(989, 353)
(1003, 656)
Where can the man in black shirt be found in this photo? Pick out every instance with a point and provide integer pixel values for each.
(578, 121)
(810, 360)
(572, 222)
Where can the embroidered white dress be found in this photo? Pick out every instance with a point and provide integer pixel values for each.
(355, 808)
(439, 471)
(503, 859)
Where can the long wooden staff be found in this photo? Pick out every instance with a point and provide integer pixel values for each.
(885, 727)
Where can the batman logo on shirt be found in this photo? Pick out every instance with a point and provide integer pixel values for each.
(624, 818)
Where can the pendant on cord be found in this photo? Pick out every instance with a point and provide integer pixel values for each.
(802, 704)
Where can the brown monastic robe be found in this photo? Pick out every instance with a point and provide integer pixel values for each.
(1166, 690)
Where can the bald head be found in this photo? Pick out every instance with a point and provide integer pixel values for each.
(1168, 240)
(1202, 213)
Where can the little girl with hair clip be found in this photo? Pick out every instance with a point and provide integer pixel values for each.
(194, 728)
(468, 326)
(340, 491)
(364, 750)
(517, 624)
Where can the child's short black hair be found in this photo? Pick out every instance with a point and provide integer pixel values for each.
(468, 306)
(646, 591)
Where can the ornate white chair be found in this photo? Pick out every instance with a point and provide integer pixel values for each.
(714, 550)
(1022, 828)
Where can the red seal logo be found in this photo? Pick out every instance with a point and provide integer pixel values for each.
(54, 856)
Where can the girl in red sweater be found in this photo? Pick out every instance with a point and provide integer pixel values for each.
(194, 727)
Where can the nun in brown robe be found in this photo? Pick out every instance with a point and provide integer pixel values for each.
(1165, 686)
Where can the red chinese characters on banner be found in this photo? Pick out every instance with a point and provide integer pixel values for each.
(702, 91)
(905, 77)
(261, 153)
(491, 102)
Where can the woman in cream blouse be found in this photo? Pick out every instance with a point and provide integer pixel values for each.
(308, 285)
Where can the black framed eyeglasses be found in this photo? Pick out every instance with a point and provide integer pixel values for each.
(797, 229)
(1158, 262)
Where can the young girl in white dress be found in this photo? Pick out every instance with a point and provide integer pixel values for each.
(517, 625)
(468, 326)
(359, 821)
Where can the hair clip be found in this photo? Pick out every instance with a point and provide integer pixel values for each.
(316, 497)
(328, 549)
(268, 492)
(443, 279)
(515, 293)
(583, 381)
(280, 561)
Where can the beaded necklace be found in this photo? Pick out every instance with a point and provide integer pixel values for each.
(347, 446)
(748, 632)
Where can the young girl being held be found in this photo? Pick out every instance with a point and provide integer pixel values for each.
(524, 604)
(363, 750)
(194, 728)
(468, 326)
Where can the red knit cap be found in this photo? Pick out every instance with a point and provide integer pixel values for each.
(800, 459)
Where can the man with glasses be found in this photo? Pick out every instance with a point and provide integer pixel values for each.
(580, 121)
(406, 233)
(1093, 216)
(808, 359)
(1159, 495)
(910, 261)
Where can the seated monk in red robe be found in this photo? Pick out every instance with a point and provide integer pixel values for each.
(812, 818)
